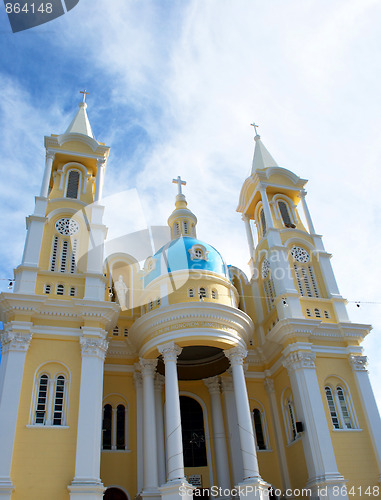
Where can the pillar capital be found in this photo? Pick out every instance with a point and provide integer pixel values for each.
(269, 385)
(358, 363)
(213, 384)
(93, 347)
(299, 359)
(227, 384)
(159, 382)
(148, 367)
(137, 377)
(236, 355)
(169, 351)
(15, 339)
(50, 155)
(302, 193)
(101, 162)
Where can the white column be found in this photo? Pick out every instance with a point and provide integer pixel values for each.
(159, 383)
(302, 196)
(47, 174)
(15, 342)
(249, 234)
(270, 389)
(232, 424)
(369, 404)
(101, 166)
(266, 206)
(220, 448)
(150, 476)
(113, 428)
(139, 427)
(318, 448)
(174, 443)
(86, 484)
(255, 486)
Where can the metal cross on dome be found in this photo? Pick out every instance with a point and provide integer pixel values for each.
(179, 183)
(84, 94)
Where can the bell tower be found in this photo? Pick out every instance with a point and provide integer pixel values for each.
(63, 254)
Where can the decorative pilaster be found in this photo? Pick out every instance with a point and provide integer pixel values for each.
(270, 389)
(249, 234)
(232, 425)
(257, 488)
(138, 381)
(302, 196)
(220, 449)
(15, 342)
(266, 206)
(175, 459)
(150, 475)
(86, 483)
(318, 448)
(159, 384)
(47, 173)
(101, 167)
(369, 405)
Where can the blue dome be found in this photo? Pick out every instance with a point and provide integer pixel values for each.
(178, 255)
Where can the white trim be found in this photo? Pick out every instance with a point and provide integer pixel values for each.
(82, 176)
(206, 428)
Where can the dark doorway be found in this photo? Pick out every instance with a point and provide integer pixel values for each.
(192, 423)
(114, 494)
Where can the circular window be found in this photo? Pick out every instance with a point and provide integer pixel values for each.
(67, 226)
(300, 255)
(265, 269)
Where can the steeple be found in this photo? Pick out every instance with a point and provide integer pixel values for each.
(80, 123)
(262, 158)
(182, 221)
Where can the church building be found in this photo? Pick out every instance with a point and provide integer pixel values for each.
(181, 377)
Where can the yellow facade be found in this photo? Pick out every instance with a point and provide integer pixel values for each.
(81, 333)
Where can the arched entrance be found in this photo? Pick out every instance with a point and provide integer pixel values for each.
(114, 494)
(192, 424)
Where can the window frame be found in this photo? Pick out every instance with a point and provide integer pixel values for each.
(115, 401)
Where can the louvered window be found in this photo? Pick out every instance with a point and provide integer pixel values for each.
(283, 209)
(59, 401)
(263, 221)
(72, 184)
(53, 260)
(64, 256)
(74, 248)
(42, 400)
(60, 290)
(332, 407)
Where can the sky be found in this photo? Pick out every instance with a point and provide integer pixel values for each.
(174, 86)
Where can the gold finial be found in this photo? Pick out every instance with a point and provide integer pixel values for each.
(84, 94)
(179, 183)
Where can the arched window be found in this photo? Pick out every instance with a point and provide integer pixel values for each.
(64, 256)
(73, 291)
(47, 288)
(60, 290)
(53, 259)
(114, 494)
(193, 433)
(214, 294)
(259, 434)
(338, 407)
(186, 227)
(74, 249)
(289, 417)
(72, 184)
(42, 397)
(58, 414)
(106, 428)
(317, 313)
(191, 292)
(120, 427)
(177, 229)
(202, 292)
(115, 331)
(114, 427)
(263, 222)
(285, 214)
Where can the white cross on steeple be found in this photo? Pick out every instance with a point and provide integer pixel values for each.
(84, 94)
(255, 127)
(179, 183)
